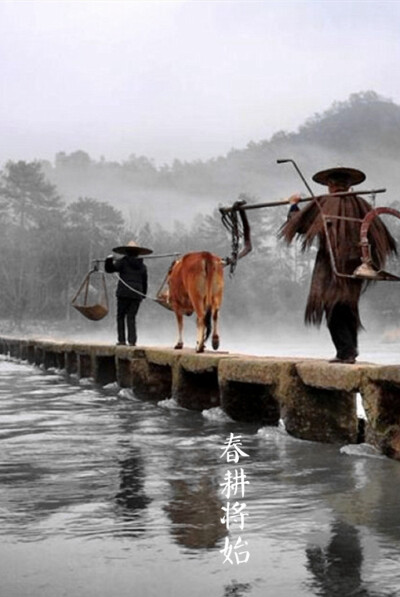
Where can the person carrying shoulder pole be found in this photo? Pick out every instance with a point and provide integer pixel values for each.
(334, 221)
(131, 288)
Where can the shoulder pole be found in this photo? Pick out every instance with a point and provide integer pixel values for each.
(234, 207)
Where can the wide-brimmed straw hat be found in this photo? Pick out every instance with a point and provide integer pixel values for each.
(351, 175)
(132, 249)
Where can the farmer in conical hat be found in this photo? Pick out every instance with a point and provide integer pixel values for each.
(335, 297)
(131, 289)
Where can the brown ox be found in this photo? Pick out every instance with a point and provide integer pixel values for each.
(196, 284)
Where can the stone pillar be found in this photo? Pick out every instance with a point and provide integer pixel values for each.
(39, 356)
(151, 372)
(195, 381)
(319, 401)
(248, 390)
(85, 367)
(23, 350)
(60, 360)
(380, 393)
(71, 362)
(49, 359)
(14, 349)
(30, 352)
(104, 370)
(124, 372)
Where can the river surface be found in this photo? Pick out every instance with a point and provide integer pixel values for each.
(104, 495)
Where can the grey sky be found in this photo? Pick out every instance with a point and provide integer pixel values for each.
(182, 79)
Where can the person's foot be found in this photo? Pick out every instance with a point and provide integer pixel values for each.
(132, 343)
(121, 344)
(346, 360)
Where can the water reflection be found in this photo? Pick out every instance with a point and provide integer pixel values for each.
(373, 498)
(131, 498)
(116, 481)
(337, 567)
(237, 589)
(195, 512)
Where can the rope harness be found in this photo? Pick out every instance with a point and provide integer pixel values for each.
(232, 223)
(162, 297)
(234, 219)
(143, 296)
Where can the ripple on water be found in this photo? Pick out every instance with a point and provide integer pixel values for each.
(216, 415)
(136, 486)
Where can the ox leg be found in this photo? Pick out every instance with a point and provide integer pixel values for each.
(200, 334)
(179, 319)
(215, 335)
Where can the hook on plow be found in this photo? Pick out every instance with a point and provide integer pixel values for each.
(367, 270)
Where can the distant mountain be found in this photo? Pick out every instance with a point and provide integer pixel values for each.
(362, 132)
(364, 119)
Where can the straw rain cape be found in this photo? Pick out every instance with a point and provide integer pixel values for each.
(326, 288)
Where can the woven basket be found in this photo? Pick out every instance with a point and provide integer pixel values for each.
(91, 300)
(93, 312)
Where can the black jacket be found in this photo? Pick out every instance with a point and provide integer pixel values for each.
(132, 271)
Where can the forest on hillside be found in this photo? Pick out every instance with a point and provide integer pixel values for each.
(48, 246)
(363, 132)
(56, 219)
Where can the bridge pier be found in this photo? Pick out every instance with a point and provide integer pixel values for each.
(195, 381)
(380, 391)
(248, 390)
(104, 370)
(123, 372)
(30, 352)
(50, 360)
(14, 349)
(38, 356)
(151, 372)
(71, 362)
(84, 361)
(320, 401)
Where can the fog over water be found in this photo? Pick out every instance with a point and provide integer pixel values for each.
(259, 340)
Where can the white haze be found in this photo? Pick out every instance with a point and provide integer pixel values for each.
(182, 79)
(257, 335)
(191, 80)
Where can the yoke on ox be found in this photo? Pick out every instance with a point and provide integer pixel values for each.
(195, 283)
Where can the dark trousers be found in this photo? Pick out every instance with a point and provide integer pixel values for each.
(343, 327)
(127, 309)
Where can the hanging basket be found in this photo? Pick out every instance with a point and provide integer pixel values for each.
(162, 297)
(91, 299)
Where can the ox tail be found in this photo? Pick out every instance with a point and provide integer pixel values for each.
(210, 273)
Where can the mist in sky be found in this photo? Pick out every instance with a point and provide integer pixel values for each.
(182, 79)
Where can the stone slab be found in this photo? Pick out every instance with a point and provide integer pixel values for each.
(329, 376)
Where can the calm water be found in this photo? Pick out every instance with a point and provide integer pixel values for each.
(105, 495)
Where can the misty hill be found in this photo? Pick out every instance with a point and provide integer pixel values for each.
(362, 132)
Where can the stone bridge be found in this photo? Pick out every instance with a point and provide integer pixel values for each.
(315, 399)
